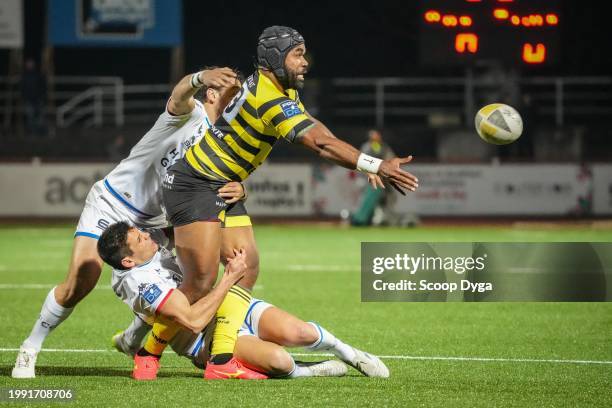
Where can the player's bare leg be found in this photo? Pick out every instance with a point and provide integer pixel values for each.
(264, 356)
(234, 238)
(198, 247)
(83, 274)
(233, 310)
(275, 361)
(280, 327)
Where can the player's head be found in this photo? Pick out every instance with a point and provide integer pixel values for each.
(374, 135)
(281, 50)
(123, 246)
(221, 96)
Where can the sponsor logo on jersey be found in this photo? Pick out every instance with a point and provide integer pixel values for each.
(251, 81)
(150, 293)
(218, 134)
(169, 178)
(103, 224)
(290, 109)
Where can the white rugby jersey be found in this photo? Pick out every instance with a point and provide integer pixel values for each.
(136, 181)
(145, 288)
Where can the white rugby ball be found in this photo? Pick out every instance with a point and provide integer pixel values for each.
(498, 124)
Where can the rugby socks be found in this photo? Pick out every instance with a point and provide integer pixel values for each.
(52, 315)
(163, 331)
(135, 333)
(230, 317)
(299, 371)
(329, 342)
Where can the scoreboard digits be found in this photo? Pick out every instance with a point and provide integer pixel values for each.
(517, 32)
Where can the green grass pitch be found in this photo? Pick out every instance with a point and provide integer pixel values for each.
(313, 271)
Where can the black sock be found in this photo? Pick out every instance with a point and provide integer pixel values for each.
(221, 358)
(144, 353)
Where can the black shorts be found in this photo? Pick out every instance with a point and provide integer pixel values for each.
(189, 198)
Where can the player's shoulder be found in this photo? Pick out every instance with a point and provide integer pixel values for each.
(265, 90)
(136, 277)
(294, 95)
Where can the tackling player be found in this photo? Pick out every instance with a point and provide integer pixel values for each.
(132, 191)
(146, 277)
(266, 109)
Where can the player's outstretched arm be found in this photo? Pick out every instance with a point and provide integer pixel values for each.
(195, 317)
(320, 139)
(181, 101)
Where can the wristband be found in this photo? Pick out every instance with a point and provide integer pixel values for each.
(195, 80)
(368, 164)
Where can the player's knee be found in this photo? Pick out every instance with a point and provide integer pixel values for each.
(301, 334)
(280, 362)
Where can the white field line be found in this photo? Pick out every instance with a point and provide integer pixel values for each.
(390, 357)
(315, 267)
(291, 267)
(39, 286)
(50, 285)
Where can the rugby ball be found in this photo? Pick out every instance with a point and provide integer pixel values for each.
(498, 124)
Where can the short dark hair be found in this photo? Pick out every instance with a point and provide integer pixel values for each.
(112, 245)
(202, 91)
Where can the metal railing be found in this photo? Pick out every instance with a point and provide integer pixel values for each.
(71, 99)
(94, 93)
(97, 101)
(581, 98)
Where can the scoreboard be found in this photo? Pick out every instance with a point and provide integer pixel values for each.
(515, 32)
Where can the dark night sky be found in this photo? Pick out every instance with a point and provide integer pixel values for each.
(344, 38)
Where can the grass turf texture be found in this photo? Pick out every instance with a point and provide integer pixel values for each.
(314, 272)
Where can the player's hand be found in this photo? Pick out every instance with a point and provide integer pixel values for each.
(400, 179)
(236, 266)
(375, 181)
(232, 192)
(218, 77)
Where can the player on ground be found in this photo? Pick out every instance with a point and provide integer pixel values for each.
(131, 191)
(146, 276)
(266, 109)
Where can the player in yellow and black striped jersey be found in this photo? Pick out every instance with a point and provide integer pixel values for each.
(267, 108)
(242, 138)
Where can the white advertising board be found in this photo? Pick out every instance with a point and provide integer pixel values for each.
(60, 189)
(455, 190)
(11, 24)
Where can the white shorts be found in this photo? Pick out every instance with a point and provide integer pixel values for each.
(103, 209)
(197, 346)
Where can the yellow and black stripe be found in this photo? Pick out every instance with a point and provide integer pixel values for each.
(241, 293)
(240, 142)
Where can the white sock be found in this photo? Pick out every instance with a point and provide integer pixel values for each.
(329, 342)
(299, 371)
(52, 315)
(135, 333)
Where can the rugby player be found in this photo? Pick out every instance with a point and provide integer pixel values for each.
(132, 191)
(266, 109)
(147, 278)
